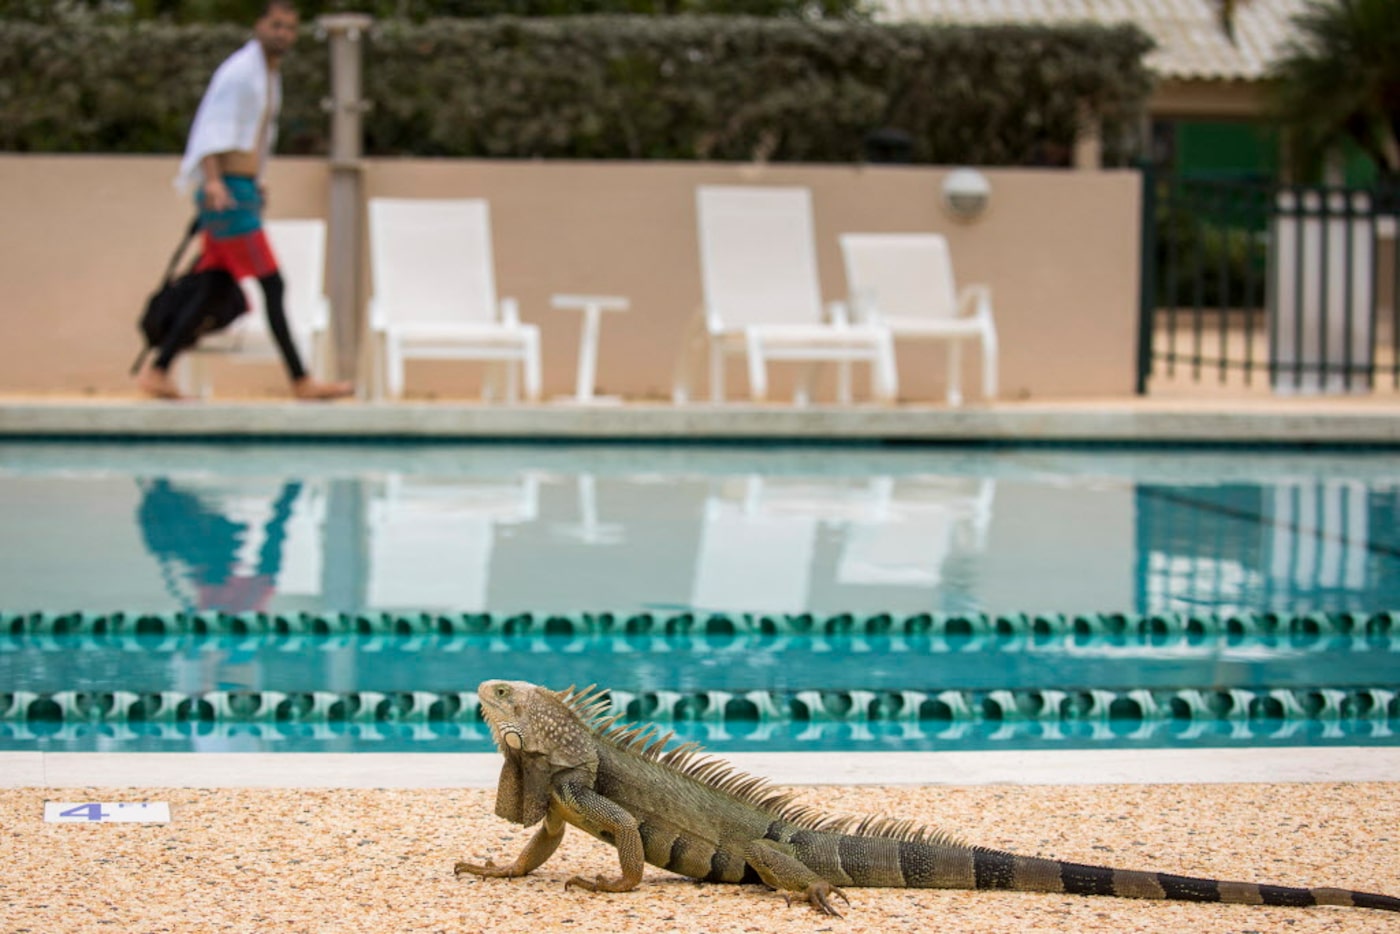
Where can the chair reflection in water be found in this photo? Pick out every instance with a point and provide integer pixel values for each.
(759, 536)
(924, 520)
(431, 538)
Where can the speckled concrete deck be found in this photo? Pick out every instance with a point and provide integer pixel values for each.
(380, 860)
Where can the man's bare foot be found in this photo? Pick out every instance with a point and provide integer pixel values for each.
(158, 384)
(308, 388)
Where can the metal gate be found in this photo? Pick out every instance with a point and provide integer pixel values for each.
(1256, 285)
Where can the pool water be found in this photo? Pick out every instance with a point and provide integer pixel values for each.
(351, 596)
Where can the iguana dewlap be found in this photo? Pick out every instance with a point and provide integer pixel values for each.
(697, 816)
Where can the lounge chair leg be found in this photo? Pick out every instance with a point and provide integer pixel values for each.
(758, 373)
(512, 373)
(843, 382)
(191, 378)
(802, 391)
(533, 380)
(490, 382)
(393, 365)
(884, 375)
(955, 372)
(691, 342)
(989, 366)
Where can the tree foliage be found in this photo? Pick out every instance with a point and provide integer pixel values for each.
(1339, 80)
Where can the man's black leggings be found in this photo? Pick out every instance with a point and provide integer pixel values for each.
(187, 326)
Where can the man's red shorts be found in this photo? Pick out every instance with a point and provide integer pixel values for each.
(244, 256)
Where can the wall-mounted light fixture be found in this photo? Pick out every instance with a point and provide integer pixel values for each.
(965, 193)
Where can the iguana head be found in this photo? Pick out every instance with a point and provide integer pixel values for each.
(540, 736)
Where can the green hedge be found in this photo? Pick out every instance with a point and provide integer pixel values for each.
(602, 88)
(245, 11)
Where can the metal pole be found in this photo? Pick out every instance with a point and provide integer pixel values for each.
(344, 31)
(1147, 281)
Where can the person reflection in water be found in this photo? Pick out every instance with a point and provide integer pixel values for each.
(185, 533)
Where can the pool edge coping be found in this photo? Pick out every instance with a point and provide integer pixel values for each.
(1274, 765)
(1284, 420)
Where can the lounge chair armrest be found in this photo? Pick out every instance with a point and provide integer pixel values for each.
(975, 301)
(510, 312)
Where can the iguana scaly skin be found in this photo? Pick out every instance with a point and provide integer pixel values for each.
(565, 763)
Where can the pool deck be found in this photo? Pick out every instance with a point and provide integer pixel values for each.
(366, 842)
(1186, 418)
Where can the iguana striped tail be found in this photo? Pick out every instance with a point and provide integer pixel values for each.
(993, 869)
(876, 852)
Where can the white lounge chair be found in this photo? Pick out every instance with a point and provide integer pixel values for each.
(905, 282)
(300, 248)
(762, 296)
(435, 293)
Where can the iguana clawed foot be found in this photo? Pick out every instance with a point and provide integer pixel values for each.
(818, 895)
(600, 884)
(490, 870)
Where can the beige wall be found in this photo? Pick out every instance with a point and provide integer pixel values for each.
(87, 237)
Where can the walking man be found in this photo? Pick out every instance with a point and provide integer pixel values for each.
(229, 145)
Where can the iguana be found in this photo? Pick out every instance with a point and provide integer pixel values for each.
(693, 814)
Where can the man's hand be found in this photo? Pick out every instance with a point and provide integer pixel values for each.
(216, 196)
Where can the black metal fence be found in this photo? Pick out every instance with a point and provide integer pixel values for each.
(1284, 287)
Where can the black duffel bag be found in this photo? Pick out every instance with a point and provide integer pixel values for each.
(223, 301)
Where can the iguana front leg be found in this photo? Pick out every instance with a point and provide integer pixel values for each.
(777, 866)
(609, 821)
(540, 848)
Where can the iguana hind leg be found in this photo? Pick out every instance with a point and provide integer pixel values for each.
(777, 866)
(540, 848)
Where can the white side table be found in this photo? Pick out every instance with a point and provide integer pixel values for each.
(592, 307)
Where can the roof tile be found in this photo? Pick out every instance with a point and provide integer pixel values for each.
(1190, 41)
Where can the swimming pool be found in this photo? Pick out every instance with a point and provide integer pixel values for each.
(342, 596)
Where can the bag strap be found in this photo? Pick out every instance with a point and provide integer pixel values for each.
(180, 250)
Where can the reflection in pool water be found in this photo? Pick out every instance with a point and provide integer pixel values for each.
(212, 556)
(382, 554)
(553, 528)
